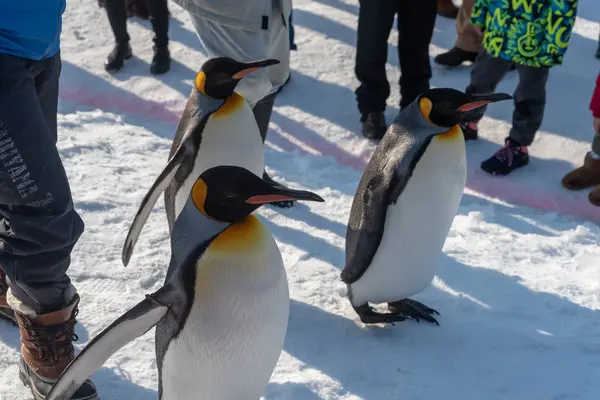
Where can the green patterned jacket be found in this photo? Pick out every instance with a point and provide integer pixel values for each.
(528, 32)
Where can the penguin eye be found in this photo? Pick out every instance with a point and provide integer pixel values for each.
(230, 196)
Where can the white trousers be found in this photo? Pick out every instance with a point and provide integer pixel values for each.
(244, 45)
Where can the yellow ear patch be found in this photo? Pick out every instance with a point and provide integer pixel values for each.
(232, 104)
(425, 105)
(199, 193)
(245, 236)
(453, 133)
(200, 81)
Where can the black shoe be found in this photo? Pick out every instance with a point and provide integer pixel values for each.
(512, 156)
(114, 61)
(161, 62)
(454, 57)
(281, 204)
(598, 52)
(468, 132)
(373, 125)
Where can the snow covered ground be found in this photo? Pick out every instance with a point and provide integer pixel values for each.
(518, 284)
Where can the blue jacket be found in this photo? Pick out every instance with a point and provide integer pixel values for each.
(31, 28)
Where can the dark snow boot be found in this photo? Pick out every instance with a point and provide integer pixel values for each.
(374, 125)
(512, 156)
(47, 349)
(116, 58)
(5, 311)
(469, 130)
(598, 51)
(454, 57)
(161, 62)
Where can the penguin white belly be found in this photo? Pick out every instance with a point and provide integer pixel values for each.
(234, 334)
(416, 226)
(230, 137)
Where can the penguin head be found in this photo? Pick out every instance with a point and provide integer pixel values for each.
(446, 107)
(218, 77)
(229, 194)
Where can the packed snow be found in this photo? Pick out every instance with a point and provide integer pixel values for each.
(518, 284)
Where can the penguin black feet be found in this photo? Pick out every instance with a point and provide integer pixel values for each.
(414, 310)
(369, 316)
(281, 204)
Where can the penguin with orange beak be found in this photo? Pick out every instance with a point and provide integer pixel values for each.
(217, 127)
(405, 204)
(221, 317)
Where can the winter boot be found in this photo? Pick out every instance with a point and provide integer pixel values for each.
(512, 156)
(5, 311)
(116, 58)
(586, 176)
(598, 51)
(447, 9)
(161, 62)
(469, 130)
(454, 57)
(47, 349)
(373, 125)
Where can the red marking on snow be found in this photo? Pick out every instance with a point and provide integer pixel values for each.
(505, 189)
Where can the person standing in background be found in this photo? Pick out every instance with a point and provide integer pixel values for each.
(468, 39)
(534, 36)
(39, 225)
(416, 21)
(588, 174)
(246, 31)
(118, 11)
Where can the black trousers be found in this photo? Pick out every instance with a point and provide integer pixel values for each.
(416, 21)
(38, 223)
(159, 17)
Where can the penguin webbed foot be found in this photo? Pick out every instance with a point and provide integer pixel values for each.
(414, 310)
(369, 316)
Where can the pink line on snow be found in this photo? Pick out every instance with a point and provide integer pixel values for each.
(506, 190)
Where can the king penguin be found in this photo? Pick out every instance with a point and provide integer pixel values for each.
(405, 204)
(217, 127)
(221, 316)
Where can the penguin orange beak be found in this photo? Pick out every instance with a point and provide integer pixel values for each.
(480, 100)
(253, 66)
(284, 195)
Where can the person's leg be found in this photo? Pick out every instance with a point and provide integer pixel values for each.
(416, 21)
(117, 16)
(159, 17)
(375, 21)
(39, 225)
(468, 39)
(486, 74)
(530, 101)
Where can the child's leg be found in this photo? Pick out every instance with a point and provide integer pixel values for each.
(530, 101)
(486, 74)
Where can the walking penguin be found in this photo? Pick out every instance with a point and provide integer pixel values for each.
(404, 206)
(217, 127)
(221, 316)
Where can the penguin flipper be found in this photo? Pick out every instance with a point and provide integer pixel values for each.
(131, 325)
(367, 221)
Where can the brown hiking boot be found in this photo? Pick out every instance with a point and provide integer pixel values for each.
(447, 9)
(47, 349)
(585, 176)
(5, 311)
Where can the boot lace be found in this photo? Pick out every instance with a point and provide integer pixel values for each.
(46, 339)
